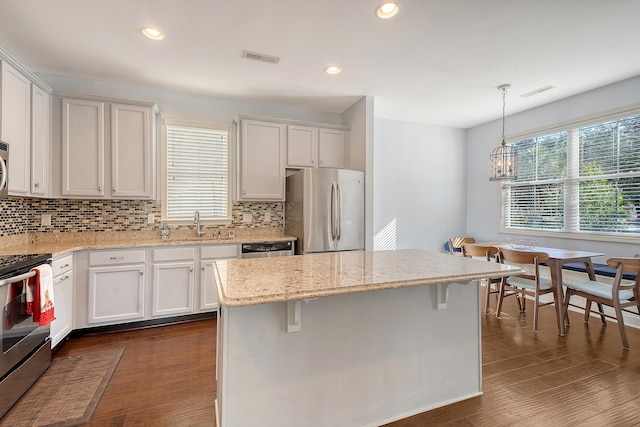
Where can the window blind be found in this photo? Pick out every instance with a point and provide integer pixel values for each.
(197, 173)
(583, 179)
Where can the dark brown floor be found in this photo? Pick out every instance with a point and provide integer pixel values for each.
(166, 376)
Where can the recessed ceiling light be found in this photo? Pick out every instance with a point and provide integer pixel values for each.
(387, 10)
(152, 33)
(332, 69)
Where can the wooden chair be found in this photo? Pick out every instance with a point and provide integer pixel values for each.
(526, 284)
(619, 295)
(488, 253)
(455, 244)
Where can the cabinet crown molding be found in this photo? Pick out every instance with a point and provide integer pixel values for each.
(11, 60)
(292, 122)
(151, 105)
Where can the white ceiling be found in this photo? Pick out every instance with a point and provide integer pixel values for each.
(437, 62)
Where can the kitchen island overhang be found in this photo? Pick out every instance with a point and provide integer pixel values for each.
(348, 338)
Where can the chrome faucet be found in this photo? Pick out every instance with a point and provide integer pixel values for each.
(199, 232)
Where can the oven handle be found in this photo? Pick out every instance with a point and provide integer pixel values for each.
(3, 166)
(17, 278)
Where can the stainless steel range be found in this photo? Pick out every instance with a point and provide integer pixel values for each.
(26, 346)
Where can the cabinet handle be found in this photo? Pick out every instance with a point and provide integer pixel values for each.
(141, 272)
(36, 185)
(191, 269)
(116, 257)
(202, 268)
(64, 266)
(99, 187)
(321, 162)
(115, 189)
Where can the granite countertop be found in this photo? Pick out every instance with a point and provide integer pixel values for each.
(61, 243)
(277, 279)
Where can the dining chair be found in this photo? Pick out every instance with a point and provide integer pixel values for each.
(619, 295)
(526, 284)
(487, 253)
(455, 244)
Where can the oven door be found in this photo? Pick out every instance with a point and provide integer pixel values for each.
(19, 334)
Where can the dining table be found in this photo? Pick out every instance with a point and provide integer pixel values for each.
(558, 257)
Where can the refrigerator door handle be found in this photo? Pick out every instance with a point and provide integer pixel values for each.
(339, 212)
(333, 209)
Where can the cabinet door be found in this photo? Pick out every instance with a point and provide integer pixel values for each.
(262, 163)
(331, 148)
(173, 288)
(15, 127)
(302, 146)
(208, 290)
(82, 148)
(63, 298)
(116, 293)
(40, 141)
(131, 153)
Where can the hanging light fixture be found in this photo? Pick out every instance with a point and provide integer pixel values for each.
(503, 161)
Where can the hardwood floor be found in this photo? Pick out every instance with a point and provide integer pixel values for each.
(166, 376)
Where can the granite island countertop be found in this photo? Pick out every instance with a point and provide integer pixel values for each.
(277, 279)
(62, 243)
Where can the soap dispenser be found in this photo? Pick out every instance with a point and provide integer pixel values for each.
(164, 231)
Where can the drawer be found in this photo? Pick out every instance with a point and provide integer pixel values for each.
(219, 251)
(62, 265)
(116, 257)
(173, 254)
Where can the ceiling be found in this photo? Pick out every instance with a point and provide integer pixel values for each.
(437, 62)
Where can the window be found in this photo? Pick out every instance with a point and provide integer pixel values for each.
(197, 173)
(582, 179)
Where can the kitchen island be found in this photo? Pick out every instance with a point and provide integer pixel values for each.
(347, 338)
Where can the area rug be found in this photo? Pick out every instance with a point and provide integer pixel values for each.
(68, 393)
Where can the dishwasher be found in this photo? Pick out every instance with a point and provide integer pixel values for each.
(267, 249)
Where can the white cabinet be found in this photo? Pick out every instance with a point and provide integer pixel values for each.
(331, 146)
(173, 281)
(302, 146)
(63, 298)
(93, 128)
(309, 147)
(15, 126)
(208, 288)
(82, 148)
(131, 151)
(116, 286)
(40, 141)
(262, 160)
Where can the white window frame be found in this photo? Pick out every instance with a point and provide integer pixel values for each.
(571, 182)
(167, 121)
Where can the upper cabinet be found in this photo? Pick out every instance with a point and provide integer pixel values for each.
(107, 149)
(15, 127)
(310, 147)
(262, 160)
(25, 125)
(40, 141)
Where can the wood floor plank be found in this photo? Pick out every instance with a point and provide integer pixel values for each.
(167, 376)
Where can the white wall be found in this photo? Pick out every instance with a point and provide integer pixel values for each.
(185, 106)
(483, 196)
(419, 181)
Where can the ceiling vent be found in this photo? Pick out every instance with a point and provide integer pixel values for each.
(537, 91)
(270, 59)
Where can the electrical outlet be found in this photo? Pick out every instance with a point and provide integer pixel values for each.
(150, 218)
(247, 218)
(46, 219)
(267, 216)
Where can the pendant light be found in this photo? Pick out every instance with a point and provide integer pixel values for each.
(503, 161)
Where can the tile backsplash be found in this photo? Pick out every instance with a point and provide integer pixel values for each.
(20, 215)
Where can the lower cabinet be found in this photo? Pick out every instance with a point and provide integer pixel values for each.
(173, 281)
(63, 298)
(116, 286)
(112, 286)
(208, 290)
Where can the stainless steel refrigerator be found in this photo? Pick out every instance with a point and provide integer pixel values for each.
(324, 209)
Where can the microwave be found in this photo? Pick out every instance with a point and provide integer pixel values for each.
(4, 169)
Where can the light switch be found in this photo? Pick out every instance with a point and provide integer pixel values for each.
(247, 218)
(267, 216)
(46, 219)
(150, 218)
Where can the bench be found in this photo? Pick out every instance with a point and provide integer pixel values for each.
(600, 270)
